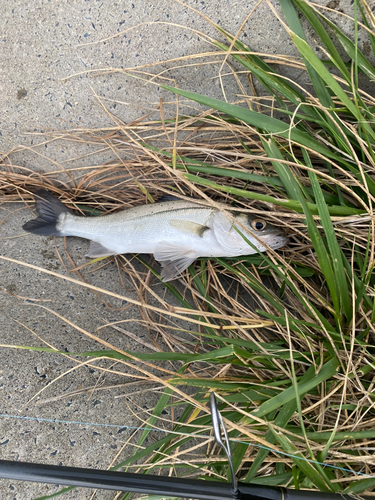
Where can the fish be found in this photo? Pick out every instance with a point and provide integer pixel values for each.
(176, 231)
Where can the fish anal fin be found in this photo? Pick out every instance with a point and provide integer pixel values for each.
(98, 250)
(187, 226)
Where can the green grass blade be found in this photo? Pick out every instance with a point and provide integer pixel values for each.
(204, 168)
(274, 83)
(301, 463)
(267, 123)
(327, 371)
(323, 436)
(367, 24)
(281, 420)
(274, 480)
(294, 191)
(290, 204)
(308, 53)
(357, 487)
(342, 285)
(309, 14)
(160, 406)
(352, 49)
(295, 25)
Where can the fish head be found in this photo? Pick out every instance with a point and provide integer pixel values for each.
(232, 236)
(257, 230)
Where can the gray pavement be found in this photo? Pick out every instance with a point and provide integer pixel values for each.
(42, 43)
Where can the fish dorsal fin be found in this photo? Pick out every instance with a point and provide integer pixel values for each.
(174, 259)
(98, 250)
(187, 226)
(167, 197)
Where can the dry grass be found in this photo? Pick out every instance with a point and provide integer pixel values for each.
(292, 367)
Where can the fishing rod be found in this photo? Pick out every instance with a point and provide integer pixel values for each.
(151, 485)
(159, 485)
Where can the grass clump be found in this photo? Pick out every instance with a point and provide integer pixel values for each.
(285, 339)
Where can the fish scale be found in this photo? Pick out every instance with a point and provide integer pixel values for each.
(176, 232)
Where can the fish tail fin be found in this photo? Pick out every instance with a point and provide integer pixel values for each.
(49, 210)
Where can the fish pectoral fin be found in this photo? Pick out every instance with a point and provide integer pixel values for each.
(174, 259)
(98, 250)
(187, 226)
(170, 251)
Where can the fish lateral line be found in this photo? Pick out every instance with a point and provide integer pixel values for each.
(176, 232)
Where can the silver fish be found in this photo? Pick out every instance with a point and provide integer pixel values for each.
(176, 232)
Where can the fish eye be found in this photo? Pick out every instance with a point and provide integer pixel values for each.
(258, 224)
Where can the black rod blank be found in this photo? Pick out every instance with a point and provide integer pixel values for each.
(118, 481)
(152, 485)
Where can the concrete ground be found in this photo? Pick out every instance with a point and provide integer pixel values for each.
(42, 44)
